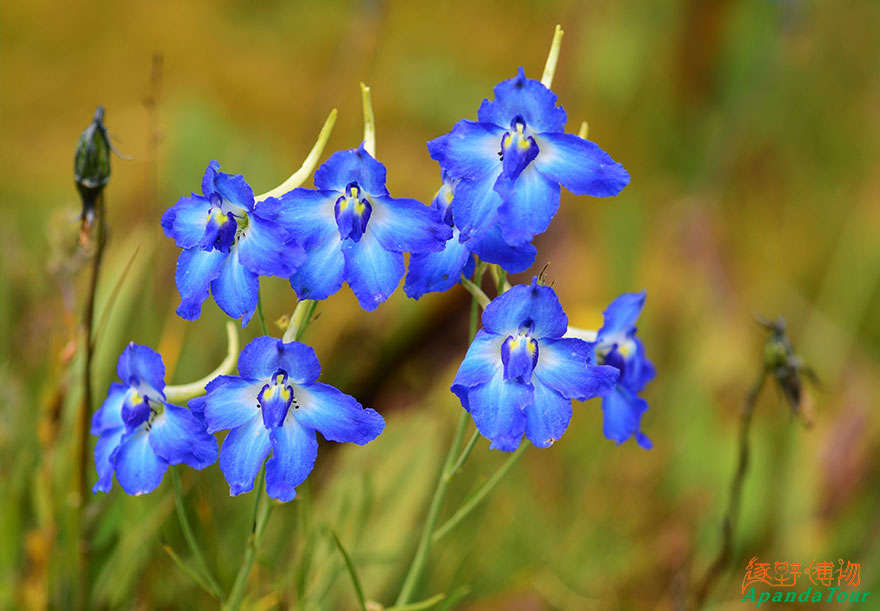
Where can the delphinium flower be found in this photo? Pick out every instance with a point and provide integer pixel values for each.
(354, 231)
(512, 160)
(520, 374)
(276, 405)
(228, 243)
(139, 433)
(616, 345)
(439, 271)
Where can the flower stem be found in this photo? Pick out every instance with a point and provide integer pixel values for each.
(190, 537)
(421, 556)
(450, 466)
(262, 318)
(260, 517)
(733, 505)
(464, 454)
(480, 494)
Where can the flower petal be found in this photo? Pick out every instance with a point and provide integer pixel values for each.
(321, 275)
(470, 150)
(526, 304)
(242, 454)
(475, 205)
(371, 271)
(237, 289)
(481, 363)
(264, 356)
(234, 189)
(530, 201)
(196, 269)
(407, 225)
(138, 469)
(106, 444)
(565, 366)
(353, 165)
(498, 409)
(579, 165)
(622, 313)
(231, 402)
(306, 213)
(435, 272)
(336, 415)
(142, 367)
(294, 450)
(178, 437)
(491, 247)
(547, 417)
(527, 98)
(185, 221)
(109, 415)
(622, 417)
(267, 249)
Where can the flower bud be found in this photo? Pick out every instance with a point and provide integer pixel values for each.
(91, 164)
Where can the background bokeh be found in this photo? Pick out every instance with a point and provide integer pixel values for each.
(752, 134)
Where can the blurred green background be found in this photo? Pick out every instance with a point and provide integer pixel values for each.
(752, 133)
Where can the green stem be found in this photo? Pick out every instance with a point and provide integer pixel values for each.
(480, 494)
(421, 556)
(197, 579)
(450, 465)
(731, 518)
(352, 573)
(190, 537)
(262, 318)
(260, 517)
(465, 454)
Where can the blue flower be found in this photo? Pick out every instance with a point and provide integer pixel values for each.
(512, 161)
(276, 405)
(616, 345)
(520, 374)
(139, 433)
(439, 271)
(354, 231)
(228, 243)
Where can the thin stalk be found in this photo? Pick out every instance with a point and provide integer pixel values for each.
(584, 130)
(198, 579)
(464, 455)
(352, 573)
(420, 558)
(191, 538)
(260, 316)
(260, 517)
(85, 411)
(731, 517)
(480, 494)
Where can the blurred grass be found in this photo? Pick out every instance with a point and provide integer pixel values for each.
(750, 129)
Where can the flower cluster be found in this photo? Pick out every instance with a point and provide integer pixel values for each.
(501, 182)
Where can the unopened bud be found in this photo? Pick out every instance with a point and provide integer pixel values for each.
(91, 164)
